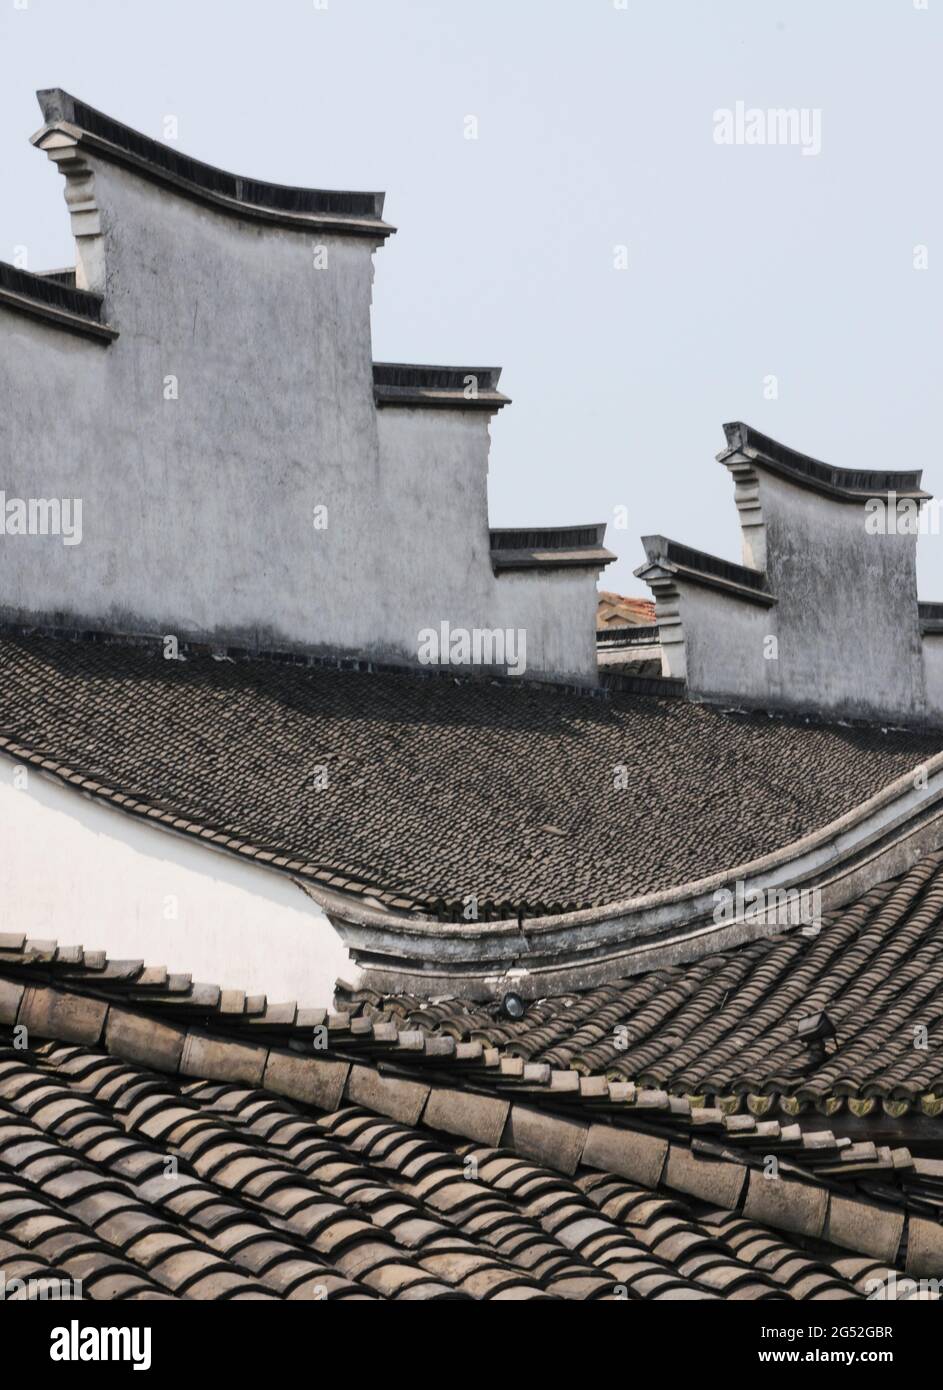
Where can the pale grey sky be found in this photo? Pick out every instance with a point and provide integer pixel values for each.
(595, 131)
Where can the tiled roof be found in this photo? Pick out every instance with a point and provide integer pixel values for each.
(617, 611)
(421, 770)
(722, 1032)
(268, 1202)
(306, 1176)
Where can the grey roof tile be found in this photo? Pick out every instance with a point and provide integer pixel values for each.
(187, 757)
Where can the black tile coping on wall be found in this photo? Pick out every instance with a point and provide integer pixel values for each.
(547, 537)
(415, 384)
(549, 547)
(931, 617)
(701, 567)
(618, 637)
(54, 298)
(845, 484)
(362, 210)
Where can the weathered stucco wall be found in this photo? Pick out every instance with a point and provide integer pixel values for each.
(198, 512)
(724, 641)
(83, 874)
(845, 620)
(822, 617)
(846, 612)
(933, 673)
(434, 492)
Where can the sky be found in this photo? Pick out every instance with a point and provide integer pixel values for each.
(567, 209)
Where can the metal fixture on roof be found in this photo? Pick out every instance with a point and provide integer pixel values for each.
(816, 1030)
(513, 1006)
(815, 1027)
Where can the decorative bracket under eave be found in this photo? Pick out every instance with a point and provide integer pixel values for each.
(61, 144)
(667, 598)
(749, 505)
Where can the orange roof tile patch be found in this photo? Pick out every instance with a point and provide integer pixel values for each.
(616, 610)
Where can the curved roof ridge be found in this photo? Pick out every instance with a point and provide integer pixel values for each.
(702, 565)
(355, 212)
(848, 484)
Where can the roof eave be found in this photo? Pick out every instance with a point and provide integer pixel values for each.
(590, 557)
(745, 446)
(419, 399)
(374, 228)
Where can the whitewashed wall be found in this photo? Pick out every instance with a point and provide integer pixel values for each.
(84, 874)
(199, 510)
(436, 560)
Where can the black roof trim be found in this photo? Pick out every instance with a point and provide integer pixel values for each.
(49, 289)
(845, 484)
(623, 682)
(548, 537)
(930, 616)
(617, 637)
(416, 384)
(556, 547)
(49, 297)
(411, 374)
(363, 211)
(700, 567)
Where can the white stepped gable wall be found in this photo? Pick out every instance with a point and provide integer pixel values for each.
(835, 629)
(239, 484)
